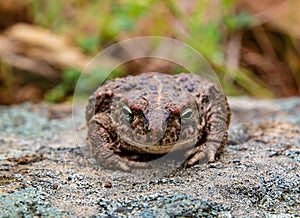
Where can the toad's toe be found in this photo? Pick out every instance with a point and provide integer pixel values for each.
(196, 158)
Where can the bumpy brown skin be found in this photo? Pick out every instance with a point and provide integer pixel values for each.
(158, 103)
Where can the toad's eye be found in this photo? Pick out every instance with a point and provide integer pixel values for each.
(186, 115)
(129, 116)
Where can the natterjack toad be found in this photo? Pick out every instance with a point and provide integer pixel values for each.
(152, 114)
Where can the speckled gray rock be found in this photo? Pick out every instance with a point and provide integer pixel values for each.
(43, 171)
(27, 203)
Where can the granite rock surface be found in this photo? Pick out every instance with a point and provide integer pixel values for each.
(45, 172)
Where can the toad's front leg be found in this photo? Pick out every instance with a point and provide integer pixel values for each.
(207, 151)
(103, 144)
(216, 121)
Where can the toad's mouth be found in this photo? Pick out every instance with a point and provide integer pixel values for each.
(158, 147)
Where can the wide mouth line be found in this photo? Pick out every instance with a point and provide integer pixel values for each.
(157, 144)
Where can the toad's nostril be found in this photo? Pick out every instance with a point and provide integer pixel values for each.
(154, 136)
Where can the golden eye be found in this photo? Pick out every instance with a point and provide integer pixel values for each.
(186, 115)
(129, 116)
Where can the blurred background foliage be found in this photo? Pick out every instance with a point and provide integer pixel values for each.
(254, 46)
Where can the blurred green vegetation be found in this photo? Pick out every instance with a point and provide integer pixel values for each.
(65, 88)
(95, 24)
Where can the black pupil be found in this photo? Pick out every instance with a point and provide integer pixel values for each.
(126, 112)
(187, 114)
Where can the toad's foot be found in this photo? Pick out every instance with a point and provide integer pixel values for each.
(204, 154)
(113, 161)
